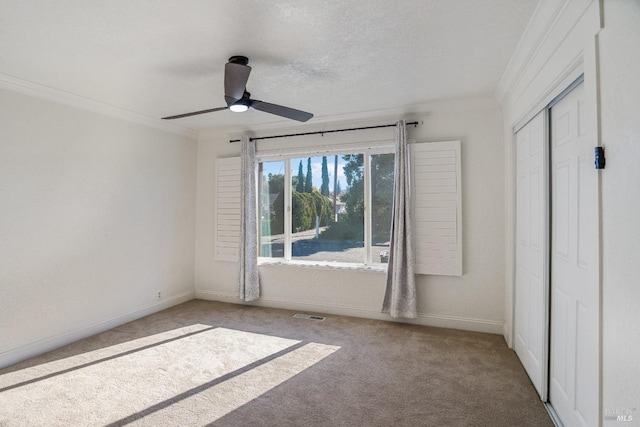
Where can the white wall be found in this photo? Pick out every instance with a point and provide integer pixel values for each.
(97, 215)
(620, 124)
(474, 301)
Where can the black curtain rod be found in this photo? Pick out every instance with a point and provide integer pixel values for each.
(322, 132)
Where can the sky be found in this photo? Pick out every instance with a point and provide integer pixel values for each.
(316, 169)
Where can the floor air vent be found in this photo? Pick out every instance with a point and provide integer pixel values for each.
(307, 316)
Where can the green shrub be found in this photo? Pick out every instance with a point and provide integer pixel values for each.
(303, 215)
(344, 230)
(305, 207)
(324, 208)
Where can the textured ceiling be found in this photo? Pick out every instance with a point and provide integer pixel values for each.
(332, 58)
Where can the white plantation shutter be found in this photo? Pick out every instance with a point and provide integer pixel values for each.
(227, 226)
(437, 204)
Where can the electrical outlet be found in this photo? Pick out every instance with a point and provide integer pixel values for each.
(159, 295)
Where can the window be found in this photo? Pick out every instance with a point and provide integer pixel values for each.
(362, 183)
(326, 209)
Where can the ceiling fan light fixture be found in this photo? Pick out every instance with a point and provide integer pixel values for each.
(239, 107)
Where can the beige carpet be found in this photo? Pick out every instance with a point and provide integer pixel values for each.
(208, 363)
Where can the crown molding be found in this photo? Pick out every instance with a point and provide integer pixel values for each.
(544, 19)
(414, 112)
(25, 87)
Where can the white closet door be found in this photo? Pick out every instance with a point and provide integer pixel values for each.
(573, 388)
(531, 285)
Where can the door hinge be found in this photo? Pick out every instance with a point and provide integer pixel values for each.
(600, 160)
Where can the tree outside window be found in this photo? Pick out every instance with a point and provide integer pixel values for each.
(319, 229)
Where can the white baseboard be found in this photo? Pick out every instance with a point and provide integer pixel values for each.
(507, 335)
(440, 321)
(19, 354)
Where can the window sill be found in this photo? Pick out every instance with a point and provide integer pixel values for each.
(380, 268)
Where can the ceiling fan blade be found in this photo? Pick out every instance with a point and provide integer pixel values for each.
(235, 80)
(195, 113)
(279, 110)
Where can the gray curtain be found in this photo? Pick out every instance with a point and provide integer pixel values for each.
(248, 279)
(400, 295)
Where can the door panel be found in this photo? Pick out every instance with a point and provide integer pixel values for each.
(573, 387)
(531, 298)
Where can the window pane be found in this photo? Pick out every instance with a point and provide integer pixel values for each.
(381, 205)
(327, 215)
(271, 206)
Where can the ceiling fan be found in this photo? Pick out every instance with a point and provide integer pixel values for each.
(236, 74)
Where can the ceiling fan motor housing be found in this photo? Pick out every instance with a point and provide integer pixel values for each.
(239, 59)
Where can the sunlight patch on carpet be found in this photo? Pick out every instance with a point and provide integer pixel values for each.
(222, 368)
(222, 399)
(91, 356)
